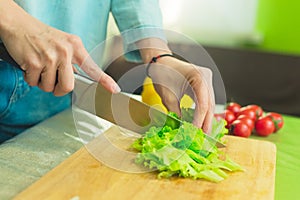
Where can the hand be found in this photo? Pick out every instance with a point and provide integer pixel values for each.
(173, 78)
(46, 54)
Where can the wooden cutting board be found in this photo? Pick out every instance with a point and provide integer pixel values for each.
(82, 177)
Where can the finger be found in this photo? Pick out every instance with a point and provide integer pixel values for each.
(65, 80)
(108, 83)
(170, 100)
(201, 99)
(48, 79)
(32, 75)
(87, 64)
(49, 73)
(201, 90)
(207, 123)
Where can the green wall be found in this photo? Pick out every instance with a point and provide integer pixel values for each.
(279, 22)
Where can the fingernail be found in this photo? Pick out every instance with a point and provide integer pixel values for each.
(116, 88)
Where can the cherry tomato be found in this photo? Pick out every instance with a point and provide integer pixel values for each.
(258, 110)
(264, 126)
(277, 120)
(229, 117)
(239, 128)
(250, 112)
(247, 120)
(233, 107)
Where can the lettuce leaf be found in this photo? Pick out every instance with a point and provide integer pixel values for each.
(184, 152)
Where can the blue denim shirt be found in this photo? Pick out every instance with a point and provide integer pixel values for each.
(22, 106)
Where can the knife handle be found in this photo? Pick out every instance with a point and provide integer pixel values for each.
(4, 55)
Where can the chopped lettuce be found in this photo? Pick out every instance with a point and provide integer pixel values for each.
(184, 152)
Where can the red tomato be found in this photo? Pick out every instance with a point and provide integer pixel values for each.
(248, 112)
(233, 107)
(258, 110)
(277, 120)
(264, 126)
(239, 128)
(247, 120)
(229, 117)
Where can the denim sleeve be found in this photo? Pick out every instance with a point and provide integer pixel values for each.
(136, 20)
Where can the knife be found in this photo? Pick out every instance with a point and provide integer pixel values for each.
(120, 108)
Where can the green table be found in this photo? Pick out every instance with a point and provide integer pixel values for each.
(29, 156)
(287, 141)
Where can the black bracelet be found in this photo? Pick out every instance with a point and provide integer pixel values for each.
(154, 59)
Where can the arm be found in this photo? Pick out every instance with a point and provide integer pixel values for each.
(46, 54)
(175, 77)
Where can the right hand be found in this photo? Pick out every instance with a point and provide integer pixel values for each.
(46, 54)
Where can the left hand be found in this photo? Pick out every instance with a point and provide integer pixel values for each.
(172, 78)
(45, 54)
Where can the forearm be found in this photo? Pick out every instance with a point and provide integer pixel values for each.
(13, 18)
(7, 11)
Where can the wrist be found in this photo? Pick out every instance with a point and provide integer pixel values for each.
(155, 59)
(152, 47)
(149, 54)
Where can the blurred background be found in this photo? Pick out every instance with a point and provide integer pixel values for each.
(254, 43)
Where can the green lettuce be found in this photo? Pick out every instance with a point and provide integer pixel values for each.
(185, 152)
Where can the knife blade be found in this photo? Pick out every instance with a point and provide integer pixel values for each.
(121, 109)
